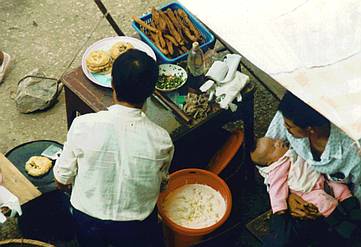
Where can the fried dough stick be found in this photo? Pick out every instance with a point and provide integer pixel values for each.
(170, 47)
(155, 39)
(171, 39)
(171, 28)
(184, 49)
(161, 39)
(173, 19)
(189, 24)
(160, 36)
(143, 24)
(158, 21)
(184, 28)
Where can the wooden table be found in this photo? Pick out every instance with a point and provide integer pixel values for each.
(82, 96)
(16, 182)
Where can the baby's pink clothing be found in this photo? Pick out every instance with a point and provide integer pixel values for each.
(279, 190)
(323, 201)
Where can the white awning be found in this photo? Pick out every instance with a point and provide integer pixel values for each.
(311, 47)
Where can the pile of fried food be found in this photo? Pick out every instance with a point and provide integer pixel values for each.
(197, 106)
(101, 61)
(171, 31)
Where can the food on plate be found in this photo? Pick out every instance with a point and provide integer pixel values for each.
(171, 31)
(5, 211)
(197, 105)
(119, 48)
(99, 62)
(194, 206)
(37, 166)
(169, 81)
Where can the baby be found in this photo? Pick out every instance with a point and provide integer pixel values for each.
(284, 171)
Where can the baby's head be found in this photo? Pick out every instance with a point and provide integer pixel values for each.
(268, 150)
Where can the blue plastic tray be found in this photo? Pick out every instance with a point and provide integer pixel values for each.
(208, 37)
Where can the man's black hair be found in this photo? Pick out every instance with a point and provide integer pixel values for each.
(300, 113)
(134, 75)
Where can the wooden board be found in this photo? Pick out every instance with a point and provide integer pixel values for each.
(16, 182)
(259, 226)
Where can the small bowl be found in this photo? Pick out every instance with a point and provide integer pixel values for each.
(172, 70)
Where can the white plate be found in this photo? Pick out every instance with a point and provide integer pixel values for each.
(172, 70)
(105, 80)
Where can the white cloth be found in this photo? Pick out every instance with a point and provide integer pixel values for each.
(117, 159)
(218, 71)
(223, 72)
(225, 81)
(231, 90)
(8, 199)
(301, 176)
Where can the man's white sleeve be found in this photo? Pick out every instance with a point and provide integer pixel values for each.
(65, 167)
(165, 169)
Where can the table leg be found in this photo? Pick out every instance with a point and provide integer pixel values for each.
(74, 106)
(248, 120)
(70, 107)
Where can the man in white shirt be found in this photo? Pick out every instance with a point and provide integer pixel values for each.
(116, 160)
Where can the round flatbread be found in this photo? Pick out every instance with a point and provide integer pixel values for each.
(119, 48)
(99, 62)
(101, 69)
(37, 166)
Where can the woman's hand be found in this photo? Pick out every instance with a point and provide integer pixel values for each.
(299, 208)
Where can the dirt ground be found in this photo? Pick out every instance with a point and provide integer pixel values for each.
(47, 35)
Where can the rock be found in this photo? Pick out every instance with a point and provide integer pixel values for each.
(35, 94)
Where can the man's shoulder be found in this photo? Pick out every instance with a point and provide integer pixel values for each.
(157, 130)
(89, 119)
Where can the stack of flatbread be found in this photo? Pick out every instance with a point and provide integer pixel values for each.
(119, 48)
(101, 61)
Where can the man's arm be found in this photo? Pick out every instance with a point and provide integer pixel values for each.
(66, 165)
(165, 169)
